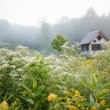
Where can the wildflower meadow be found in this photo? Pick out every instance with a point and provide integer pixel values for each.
(63, 81)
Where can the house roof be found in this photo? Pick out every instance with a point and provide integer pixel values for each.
(90, 36)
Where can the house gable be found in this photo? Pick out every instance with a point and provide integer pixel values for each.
(98, 40)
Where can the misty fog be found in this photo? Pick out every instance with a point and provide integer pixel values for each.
(39, 38)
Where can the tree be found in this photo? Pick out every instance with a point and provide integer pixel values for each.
(91, 12)
(45, 37)
(58, 41)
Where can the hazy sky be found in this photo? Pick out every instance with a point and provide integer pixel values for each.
(30, 12)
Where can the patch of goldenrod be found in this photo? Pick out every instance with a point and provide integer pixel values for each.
(4, 106)
(102, 102)
(93, 108)
(77, 93)
(51, 97)
(70, 107)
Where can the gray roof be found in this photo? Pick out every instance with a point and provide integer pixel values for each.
(90, 36)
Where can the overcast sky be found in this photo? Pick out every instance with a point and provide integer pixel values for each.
(30, 12)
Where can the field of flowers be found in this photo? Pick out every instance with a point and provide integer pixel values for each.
(68, 81)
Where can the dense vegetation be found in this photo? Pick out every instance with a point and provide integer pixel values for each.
(40, 37)
(68, 81)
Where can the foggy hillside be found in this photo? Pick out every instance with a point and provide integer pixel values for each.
(40, 37)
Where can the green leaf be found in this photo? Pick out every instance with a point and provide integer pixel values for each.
(106, 85)
(34, 86)
(86, 84)
(92, 101)
(94, 81)
(27, 99)
(26, 88)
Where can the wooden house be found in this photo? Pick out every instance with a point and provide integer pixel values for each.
(93, 42)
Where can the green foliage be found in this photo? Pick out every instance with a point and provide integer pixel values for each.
(65, 82)
(23, 79)
(34, 89)
(11, 66)
(58, 42)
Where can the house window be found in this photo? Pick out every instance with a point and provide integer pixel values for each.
(84, 48)
(99, 37)
(96, 47)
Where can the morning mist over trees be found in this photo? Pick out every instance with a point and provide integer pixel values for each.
(40, 38)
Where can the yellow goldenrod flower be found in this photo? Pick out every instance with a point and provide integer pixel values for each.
(102, 102)
(51, 96)
(77, 93)
(70, 107)
(93, 108)
(4, 106)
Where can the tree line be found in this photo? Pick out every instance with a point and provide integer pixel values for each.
(40, 38)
